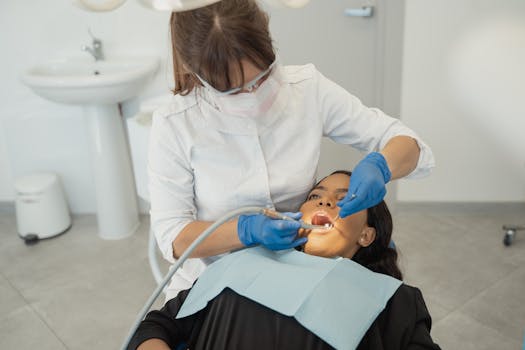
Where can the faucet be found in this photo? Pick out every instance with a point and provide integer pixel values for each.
(96, 49)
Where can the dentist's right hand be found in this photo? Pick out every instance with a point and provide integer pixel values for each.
(272, 233)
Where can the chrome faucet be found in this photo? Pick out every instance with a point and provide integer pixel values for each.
(96, 49)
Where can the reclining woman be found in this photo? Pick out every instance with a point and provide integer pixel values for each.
(353, 299)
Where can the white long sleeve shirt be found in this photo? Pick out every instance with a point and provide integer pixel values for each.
(203, 163)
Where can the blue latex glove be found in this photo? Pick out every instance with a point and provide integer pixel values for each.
(367, 186)
(273, 234)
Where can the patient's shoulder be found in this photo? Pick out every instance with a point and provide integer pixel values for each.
(409, 302)
(404, 321)
(407, 295)
(404, 310)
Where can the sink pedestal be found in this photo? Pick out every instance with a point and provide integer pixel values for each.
(117, 208)
(98, 87)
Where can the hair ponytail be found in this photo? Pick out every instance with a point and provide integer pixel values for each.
(385, 263)
(379, 256)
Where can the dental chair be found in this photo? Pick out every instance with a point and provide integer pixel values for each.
(138, 133)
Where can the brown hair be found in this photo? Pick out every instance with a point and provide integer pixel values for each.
(211, 41)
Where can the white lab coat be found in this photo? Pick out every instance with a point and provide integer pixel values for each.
(203, 163)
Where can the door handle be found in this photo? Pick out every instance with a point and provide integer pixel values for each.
(365, 11)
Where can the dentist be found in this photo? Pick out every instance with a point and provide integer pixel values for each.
(243, 130)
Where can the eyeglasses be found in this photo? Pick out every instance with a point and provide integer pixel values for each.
(248, 87)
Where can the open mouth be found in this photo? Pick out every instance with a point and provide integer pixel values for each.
(322, 219)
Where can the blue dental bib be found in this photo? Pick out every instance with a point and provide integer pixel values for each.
(336, 299)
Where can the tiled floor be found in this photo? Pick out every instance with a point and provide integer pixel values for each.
(77, 291)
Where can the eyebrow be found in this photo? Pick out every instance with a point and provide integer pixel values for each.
(338, 190)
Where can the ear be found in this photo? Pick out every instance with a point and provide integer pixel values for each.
(367, 237)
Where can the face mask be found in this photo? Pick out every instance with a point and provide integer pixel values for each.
(253, 103)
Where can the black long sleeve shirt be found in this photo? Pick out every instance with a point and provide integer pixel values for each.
(231, 321)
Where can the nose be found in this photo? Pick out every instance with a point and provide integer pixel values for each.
(326, 202)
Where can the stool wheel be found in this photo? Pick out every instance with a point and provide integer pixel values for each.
(31, 239)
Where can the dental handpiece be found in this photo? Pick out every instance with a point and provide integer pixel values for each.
(276, 215)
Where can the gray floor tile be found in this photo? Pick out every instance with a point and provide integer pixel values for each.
(89, 293)
(10, 298)
(502, 306)
(22, 329)
(458, 331)
(79, 254)
(447, 262)
(8, 236)
(102, 308)
(81, 292)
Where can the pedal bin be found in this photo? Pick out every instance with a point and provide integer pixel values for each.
(41, 207)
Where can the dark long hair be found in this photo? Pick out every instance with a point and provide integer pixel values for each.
(378, 256)
(211, 41)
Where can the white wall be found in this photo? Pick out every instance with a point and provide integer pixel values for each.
(463, 91)
(42, 135)
(38, 135)
(477, 159)
(6, 192)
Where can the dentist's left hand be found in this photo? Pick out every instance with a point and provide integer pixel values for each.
(367, 185)
(273, 234)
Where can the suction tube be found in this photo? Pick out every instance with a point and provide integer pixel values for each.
(182, 259)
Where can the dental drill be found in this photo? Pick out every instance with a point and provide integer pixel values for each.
(280, 216)
(242, 211)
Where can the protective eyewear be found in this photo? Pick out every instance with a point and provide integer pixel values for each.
(248, 87)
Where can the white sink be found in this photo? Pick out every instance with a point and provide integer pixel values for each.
(98, 87)
(84, 81)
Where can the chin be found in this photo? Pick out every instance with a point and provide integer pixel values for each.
(311, 249)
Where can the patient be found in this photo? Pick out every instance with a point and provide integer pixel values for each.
(233, 321)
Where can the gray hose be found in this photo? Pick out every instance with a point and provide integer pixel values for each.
(180, 261)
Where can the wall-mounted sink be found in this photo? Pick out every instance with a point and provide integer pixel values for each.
(98, 86)
(83, 81)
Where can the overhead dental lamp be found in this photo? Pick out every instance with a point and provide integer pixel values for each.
(98, 5)
(173, 5)
(176, 5)
(185, 5)
(287, 3)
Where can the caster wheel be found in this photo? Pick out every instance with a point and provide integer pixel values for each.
(509, 237)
